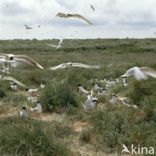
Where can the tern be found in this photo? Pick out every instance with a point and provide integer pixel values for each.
(92, 7)
(13, 86)
(37, 109)
(103, 93)
(12, 79)
(70, 64)
(97, 88)
(31, 91)
(23, 112)
(42, 85)
(24, 58)
(82, 90)
(140, 73)
(56, 46)
(114, 99)
(62, 15)
(90, 102)
(27, 27)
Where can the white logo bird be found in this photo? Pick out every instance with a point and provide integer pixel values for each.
(125, 149)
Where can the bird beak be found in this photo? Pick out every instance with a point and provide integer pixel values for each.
(123, 76)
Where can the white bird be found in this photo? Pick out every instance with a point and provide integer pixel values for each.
(82, 90)
(113, 99)
(12, 79)
(70, 64)
(128, 106)
(125, 82)
(42, 85)
(31, 91)
(103, 93)
(23, 112)
(97, 88)
(23, 58)
(62, 15)
(104, 80)
(30, 98)
(37, 109)
(13, 86)
(56, 46)
(90, 102)
(140, 73)
(89, 105)
(27, 27)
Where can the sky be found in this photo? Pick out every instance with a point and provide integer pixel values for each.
(111, 19)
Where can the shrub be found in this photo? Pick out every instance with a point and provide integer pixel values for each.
(26, 137)
(2, 93)
(58, 96)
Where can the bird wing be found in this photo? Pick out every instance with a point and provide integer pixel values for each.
(26, 26)
(63, 65)
(61, 15)
(92, 7)
(60, 42)
(84, 65)
(73, 15)
(4, 56)
(80, 17)
(27, 59)
(13, 79)
(149, 71)
(51, 45)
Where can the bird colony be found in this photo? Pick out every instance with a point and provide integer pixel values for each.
(10, 60)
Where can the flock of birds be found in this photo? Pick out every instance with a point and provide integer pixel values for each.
(11, 60)
(8, 60)
(63, 15)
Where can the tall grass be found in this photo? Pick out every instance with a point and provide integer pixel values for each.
(27, 137)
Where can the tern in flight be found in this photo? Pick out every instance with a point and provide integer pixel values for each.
(62, 15)
(15, 58)
(27, 27)
(140, 73)
(56, 46)
(92, 7)
(70, 64)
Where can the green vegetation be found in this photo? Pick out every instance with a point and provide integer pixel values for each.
(59, 130)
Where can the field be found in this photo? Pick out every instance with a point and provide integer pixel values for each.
(64, 128)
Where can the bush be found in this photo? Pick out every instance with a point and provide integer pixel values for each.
(26, 137)
(2, 93)
(58, 96)
(114, 128)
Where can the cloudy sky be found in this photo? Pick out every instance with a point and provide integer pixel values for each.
(111, 18)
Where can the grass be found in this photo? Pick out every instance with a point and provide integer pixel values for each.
(108, 127)
(25, 137)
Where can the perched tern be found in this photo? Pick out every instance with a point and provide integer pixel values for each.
(23, 112)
